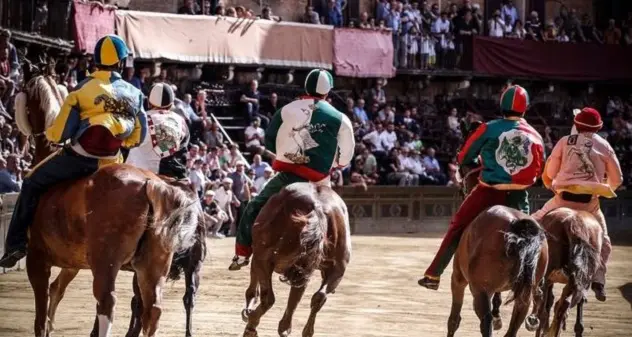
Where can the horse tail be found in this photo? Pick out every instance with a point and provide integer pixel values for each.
(312, 247)
(523, 242)
(583, 259)
(175, 216)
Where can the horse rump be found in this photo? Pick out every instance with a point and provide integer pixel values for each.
(312, 247)
(523, 242)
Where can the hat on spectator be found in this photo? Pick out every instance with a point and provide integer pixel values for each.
(268, 169)
(514, 100)
(209, 193)
(588, 120)
(110, 50)
(161, 95)
(227, 181)
(319, 82)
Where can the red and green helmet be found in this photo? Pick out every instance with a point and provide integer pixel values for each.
(514, 99)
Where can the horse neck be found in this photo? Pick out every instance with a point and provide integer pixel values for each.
(43, 149)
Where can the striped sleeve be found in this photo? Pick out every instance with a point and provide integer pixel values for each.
(272, 131)
(472, 146)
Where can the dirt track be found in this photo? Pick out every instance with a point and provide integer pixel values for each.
(378, 297)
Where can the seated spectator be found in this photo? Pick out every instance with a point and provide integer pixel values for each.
(255, 137)
(270, 106)
(396, 173)
(369, 164)
(453, 167)
(261, 181)
(359, 112)
(10, 180)
(550, 34)
(218, 217)
(389, 137)
(612, 34)
(386, 115)
(496, 25)
(250, 100)
(311, 16)
(213, 159)
(562, 37)
(207, 8)
(533, 22)
(259, 166)
(374, 140)
(433, 169)
(193, 153)
(231, 12)
(406, 160)
(453, 122)
(230, 158)
(213, 137)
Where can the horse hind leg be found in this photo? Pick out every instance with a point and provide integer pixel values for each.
(103, 289)
(57, 291)
(561, 312)
(192, 283)
(533, 321)
(331, 279)
(252, 293)
(520, 311)
(263, 275)
(497, 321)
(579, 322)
(38, 272)
(135, 324)
(482, 307)
(458, 293)
(285, 325)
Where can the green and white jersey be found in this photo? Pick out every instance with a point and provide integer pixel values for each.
(309, 138)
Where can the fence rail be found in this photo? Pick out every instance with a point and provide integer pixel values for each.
(397, 210)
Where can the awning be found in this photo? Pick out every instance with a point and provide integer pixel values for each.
(212, 39)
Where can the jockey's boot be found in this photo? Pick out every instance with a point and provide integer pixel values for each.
(238, 262)
(600, 291)
(429, 282)
(11, 257)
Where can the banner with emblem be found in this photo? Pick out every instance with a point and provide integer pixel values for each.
(92, 20)
(225, 40)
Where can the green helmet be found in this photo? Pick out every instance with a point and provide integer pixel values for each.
(318, 82)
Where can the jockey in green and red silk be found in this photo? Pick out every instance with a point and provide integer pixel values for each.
(101, 117)
(309, 137)
(512, 155)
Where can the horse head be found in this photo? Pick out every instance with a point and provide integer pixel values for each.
(39, 103)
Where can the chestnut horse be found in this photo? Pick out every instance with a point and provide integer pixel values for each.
(302, 228)
(502, 249)
(36, 108)
(574, 240)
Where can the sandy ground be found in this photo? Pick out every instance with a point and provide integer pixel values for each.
(379, 296)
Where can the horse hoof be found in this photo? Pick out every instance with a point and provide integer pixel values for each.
(532, 323)
(250, 333)
(245, 314)
(498, 323)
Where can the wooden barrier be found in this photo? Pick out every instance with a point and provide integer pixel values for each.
(401, 210)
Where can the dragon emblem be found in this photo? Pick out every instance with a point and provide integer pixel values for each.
(514, 153)
(122, 107)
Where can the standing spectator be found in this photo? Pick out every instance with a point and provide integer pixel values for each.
(440, 28)
(572, 26)
(393, 21)
(198, 180)
(465, 28)
(364, 21)
(510, 12)
(518, 31)
(496, 25)
(189, 8)
(254, 137)
(414, 40)
(432, 167)
(334, 14)
(589, 31)
(258, 166)
(225, 198)
(533, 23)
(612, 34)
(453, 122)
(382, 10)
(311, 16)
(261, 181)
(5, 42)
(360, 113)
(9, 174)
(377, 93)
(7, 85)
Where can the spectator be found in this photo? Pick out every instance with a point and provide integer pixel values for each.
(496, 25)
(258, 166)
(311, 16)
(589, 31)
(5, 42)
(550, 34)
(534, 24)
(453, 167)
(7, 85)
(207, 8)
(231, 12)
(230, 158)
(386, 115)
(189, 8)
(395, 171)
(440, 29)
(255, 137)
(562, 37)
(408, 163)
(382, 10)
(261, 181)
(250, 100)
(334, 14)
(364, 21)
(393, 21)
(627, 39)
(213, 137)
(218, 217)
(432, 167)
(453, 122)
(9, 174)
(374, 139)
(612, 34)
(389, 137)
(572, 26)
(369, 164)
(511, 12)
(336, 178)
(225, 198)
(198, 180)
(464, 29)
(377, 93)
(518, 31)
(359, 112)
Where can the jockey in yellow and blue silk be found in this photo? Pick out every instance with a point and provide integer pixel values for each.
(103, 115)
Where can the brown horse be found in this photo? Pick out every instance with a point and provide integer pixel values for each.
(36, 108)
(300, 229)
(574, 240)
(502, 249)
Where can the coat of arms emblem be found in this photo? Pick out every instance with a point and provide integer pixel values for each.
(514, 151)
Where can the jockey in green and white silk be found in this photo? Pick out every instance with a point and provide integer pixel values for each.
(309, 137)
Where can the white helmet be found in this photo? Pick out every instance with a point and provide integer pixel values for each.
(161, 96)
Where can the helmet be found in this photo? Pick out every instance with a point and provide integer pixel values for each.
(110, 50)
(587, 120)
(318, 82)
(514, 99)
(161, 95)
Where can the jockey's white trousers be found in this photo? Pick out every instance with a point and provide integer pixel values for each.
(592, 207)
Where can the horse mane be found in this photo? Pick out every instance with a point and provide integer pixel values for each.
(21, 114)
(49, 95)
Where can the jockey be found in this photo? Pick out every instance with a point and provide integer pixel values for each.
(512, 156)
(103, 115)
(164, 151)
(576, 172)
(309, 138)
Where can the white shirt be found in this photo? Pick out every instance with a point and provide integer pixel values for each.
(388, 140)
(440, 26)
(223, 197)
(417, 167)
(496, 27)
(197, 179)
(374, 138)
(261, 182)
(251, 131)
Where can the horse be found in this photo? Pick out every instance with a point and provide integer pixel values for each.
(502, 249)
(36, 108)
(302, 228)
(574, 240)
